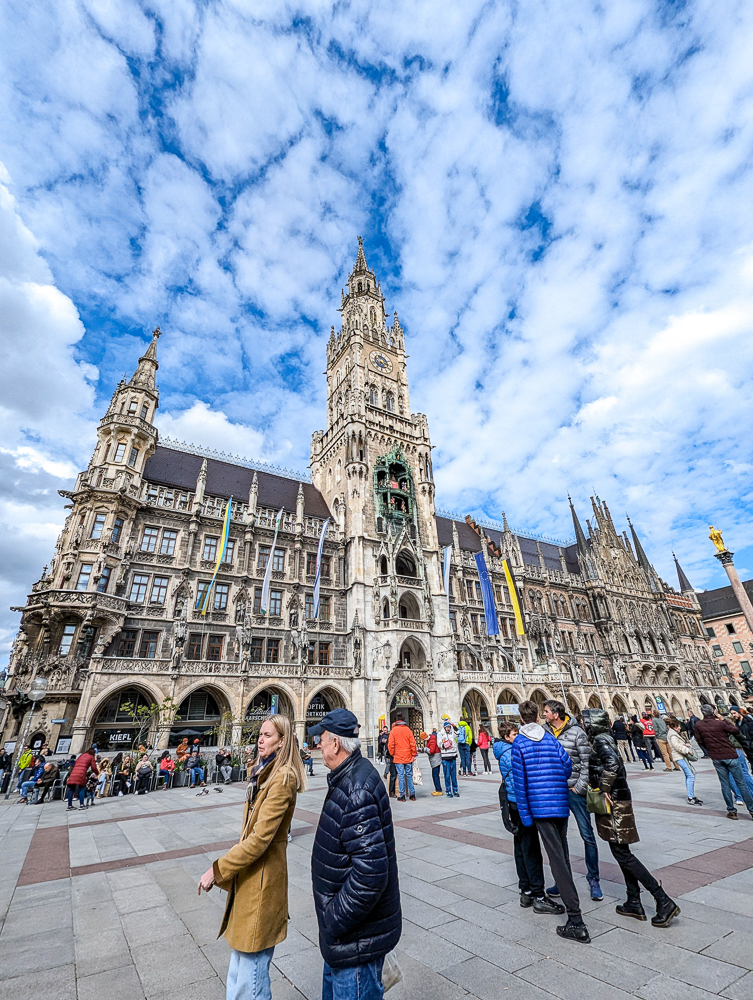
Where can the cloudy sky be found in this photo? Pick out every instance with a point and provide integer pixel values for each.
(556, 195)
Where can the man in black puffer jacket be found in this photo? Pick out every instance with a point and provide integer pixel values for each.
(353, 866)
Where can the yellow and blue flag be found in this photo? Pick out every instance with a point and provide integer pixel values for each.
(220, 554)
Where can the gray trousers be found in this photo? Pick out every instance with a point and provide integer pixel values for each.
(553, 834)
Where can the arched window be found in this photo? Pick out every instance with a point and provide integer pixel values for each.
(389, 402)
(360, 286)
(405, 565)
(385, 608)
(383, 566)
(373, 396)
(338, 471)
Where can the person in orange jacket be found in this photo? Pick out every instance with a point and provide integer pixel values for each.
(401, 746)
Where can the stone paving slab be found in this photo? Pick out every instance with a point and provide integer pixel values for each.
(104, 903)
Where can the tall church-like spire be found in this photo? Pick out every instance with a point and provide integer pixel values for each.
(143, 377)
(579, 536)
(639, 553)
(685, 585)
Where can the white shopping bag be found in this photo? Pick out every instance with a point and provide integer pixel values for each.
(391, 971)
(418, 778)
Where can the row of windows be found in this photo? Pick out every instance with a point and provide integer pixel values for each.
(728, 626)
(119, 453)
(144, 644)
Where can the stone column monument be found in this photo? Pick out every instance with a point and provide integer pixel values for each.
(725, 558)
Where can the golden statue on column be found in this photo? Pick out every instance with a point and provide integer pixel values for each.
(716, 537)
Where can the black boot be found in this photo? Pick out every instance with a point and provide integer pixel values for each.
(574, 932)
(526, 900)
(543, 904)
(631, 908)
(666, 909)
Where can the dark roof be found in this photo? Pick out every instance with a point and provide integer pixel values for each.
(467, 537)
(571, 559)
(722, 602)
(180, 469)
(529, 551)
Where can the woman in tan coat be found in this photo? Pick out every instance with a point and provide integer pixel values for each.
(255, 871)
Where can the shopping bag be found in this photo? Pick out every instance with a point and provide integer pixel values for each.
(391, 971)
(418, 778)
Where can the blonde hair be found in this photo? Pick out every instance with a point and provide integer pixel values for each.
(287, 758)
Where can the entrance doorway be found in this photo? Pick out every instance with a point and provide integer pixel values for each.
(407, 704)
(264, 703)
(320, 705)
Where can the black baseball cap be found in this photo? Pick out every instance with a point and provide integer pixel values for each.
(339, 722)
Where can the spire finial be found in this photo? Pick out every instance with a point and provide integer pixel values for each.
(361, 264)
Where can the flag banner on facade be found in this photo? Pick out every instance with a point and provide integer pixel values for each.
(520, 627)
(446, 573)
(220, 554)
(487, 593)
(264, 604)
(318, 580)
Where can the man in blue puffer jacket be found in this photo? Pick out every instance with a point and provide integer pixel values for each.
(353, 866)
(540, 770)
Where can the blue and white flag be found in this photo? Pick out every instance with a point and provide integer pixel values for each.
(318, 581)
(268, 572)
(490, 608)
(446, 573)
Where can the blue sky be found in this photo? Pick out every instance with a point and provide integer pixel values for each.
(556, 196)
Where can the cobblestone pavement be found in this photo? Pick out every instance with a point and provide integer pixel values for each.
(103, 903)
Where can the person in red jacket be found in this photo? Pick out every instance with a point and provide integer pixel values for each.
(401, 746)
(484, 742)
(431, 746)
(77, 778)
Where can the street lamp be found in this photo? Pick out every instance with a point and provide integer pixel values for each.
(36, 692)
(386, 648)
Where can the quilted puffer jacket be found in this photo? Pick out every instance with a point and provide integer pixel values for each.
(573, 740)
(540, 770)
(503, 753)
(607, 772)
(354, 868)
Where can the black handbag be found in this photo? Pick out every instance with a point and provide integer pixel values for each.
(504, 808)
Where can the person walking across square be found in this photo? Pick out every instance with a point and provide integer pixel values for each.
(529, 862)
(712, 734)
(540, 770)
(574, 742)
(448, 747)
(401, 746)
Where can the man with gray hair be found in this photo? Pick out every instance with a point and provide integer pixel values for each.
(353, 866)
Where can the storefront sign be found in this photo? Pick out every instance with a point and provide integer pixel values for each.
(64, 744)
(507, 709)
(58, 722)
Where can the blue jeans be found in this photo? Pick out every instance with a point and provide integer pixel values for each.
(72, 789)
(727, 770)
(689, 776)
(166, 775)
(586, 831)
(645, 757)
(248, 975)
(26, 787)
(450, 776)
(465, 758)
(405, 772)
(359, 982)
(746, 775)
(200, 772)
(435, 777)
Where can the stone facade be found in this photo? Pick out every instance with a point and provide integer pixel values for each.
(116, 619)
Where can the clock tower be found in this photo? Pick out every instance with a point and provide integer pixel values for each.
(373, 466)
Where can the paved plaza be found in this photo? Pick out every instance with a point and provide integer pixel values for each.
(103, 903)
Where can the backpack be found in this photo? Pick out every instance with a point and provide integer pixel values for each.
(504, 808)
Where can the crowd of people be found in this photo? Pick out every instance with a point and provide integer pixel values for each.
(551, 768)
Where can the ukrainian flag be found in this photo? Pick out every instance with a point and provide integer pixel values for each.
(220, 554)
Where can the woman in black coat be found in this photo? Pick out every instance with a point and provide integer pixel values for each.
(607, 773)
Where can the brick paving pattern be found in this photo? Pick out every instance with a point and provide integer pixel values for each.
(104, 903)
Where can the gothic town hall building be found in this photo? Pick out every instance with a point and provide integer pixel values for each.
(114, 625)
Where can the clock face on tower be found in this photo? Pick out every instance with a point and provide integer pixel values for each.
(380, 362)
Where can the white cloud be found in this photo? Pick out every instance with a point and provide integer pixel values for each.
(554, 194)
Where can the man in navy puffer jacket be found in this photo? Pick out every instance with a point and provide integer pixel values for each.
(353, 866)
(540, 768)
